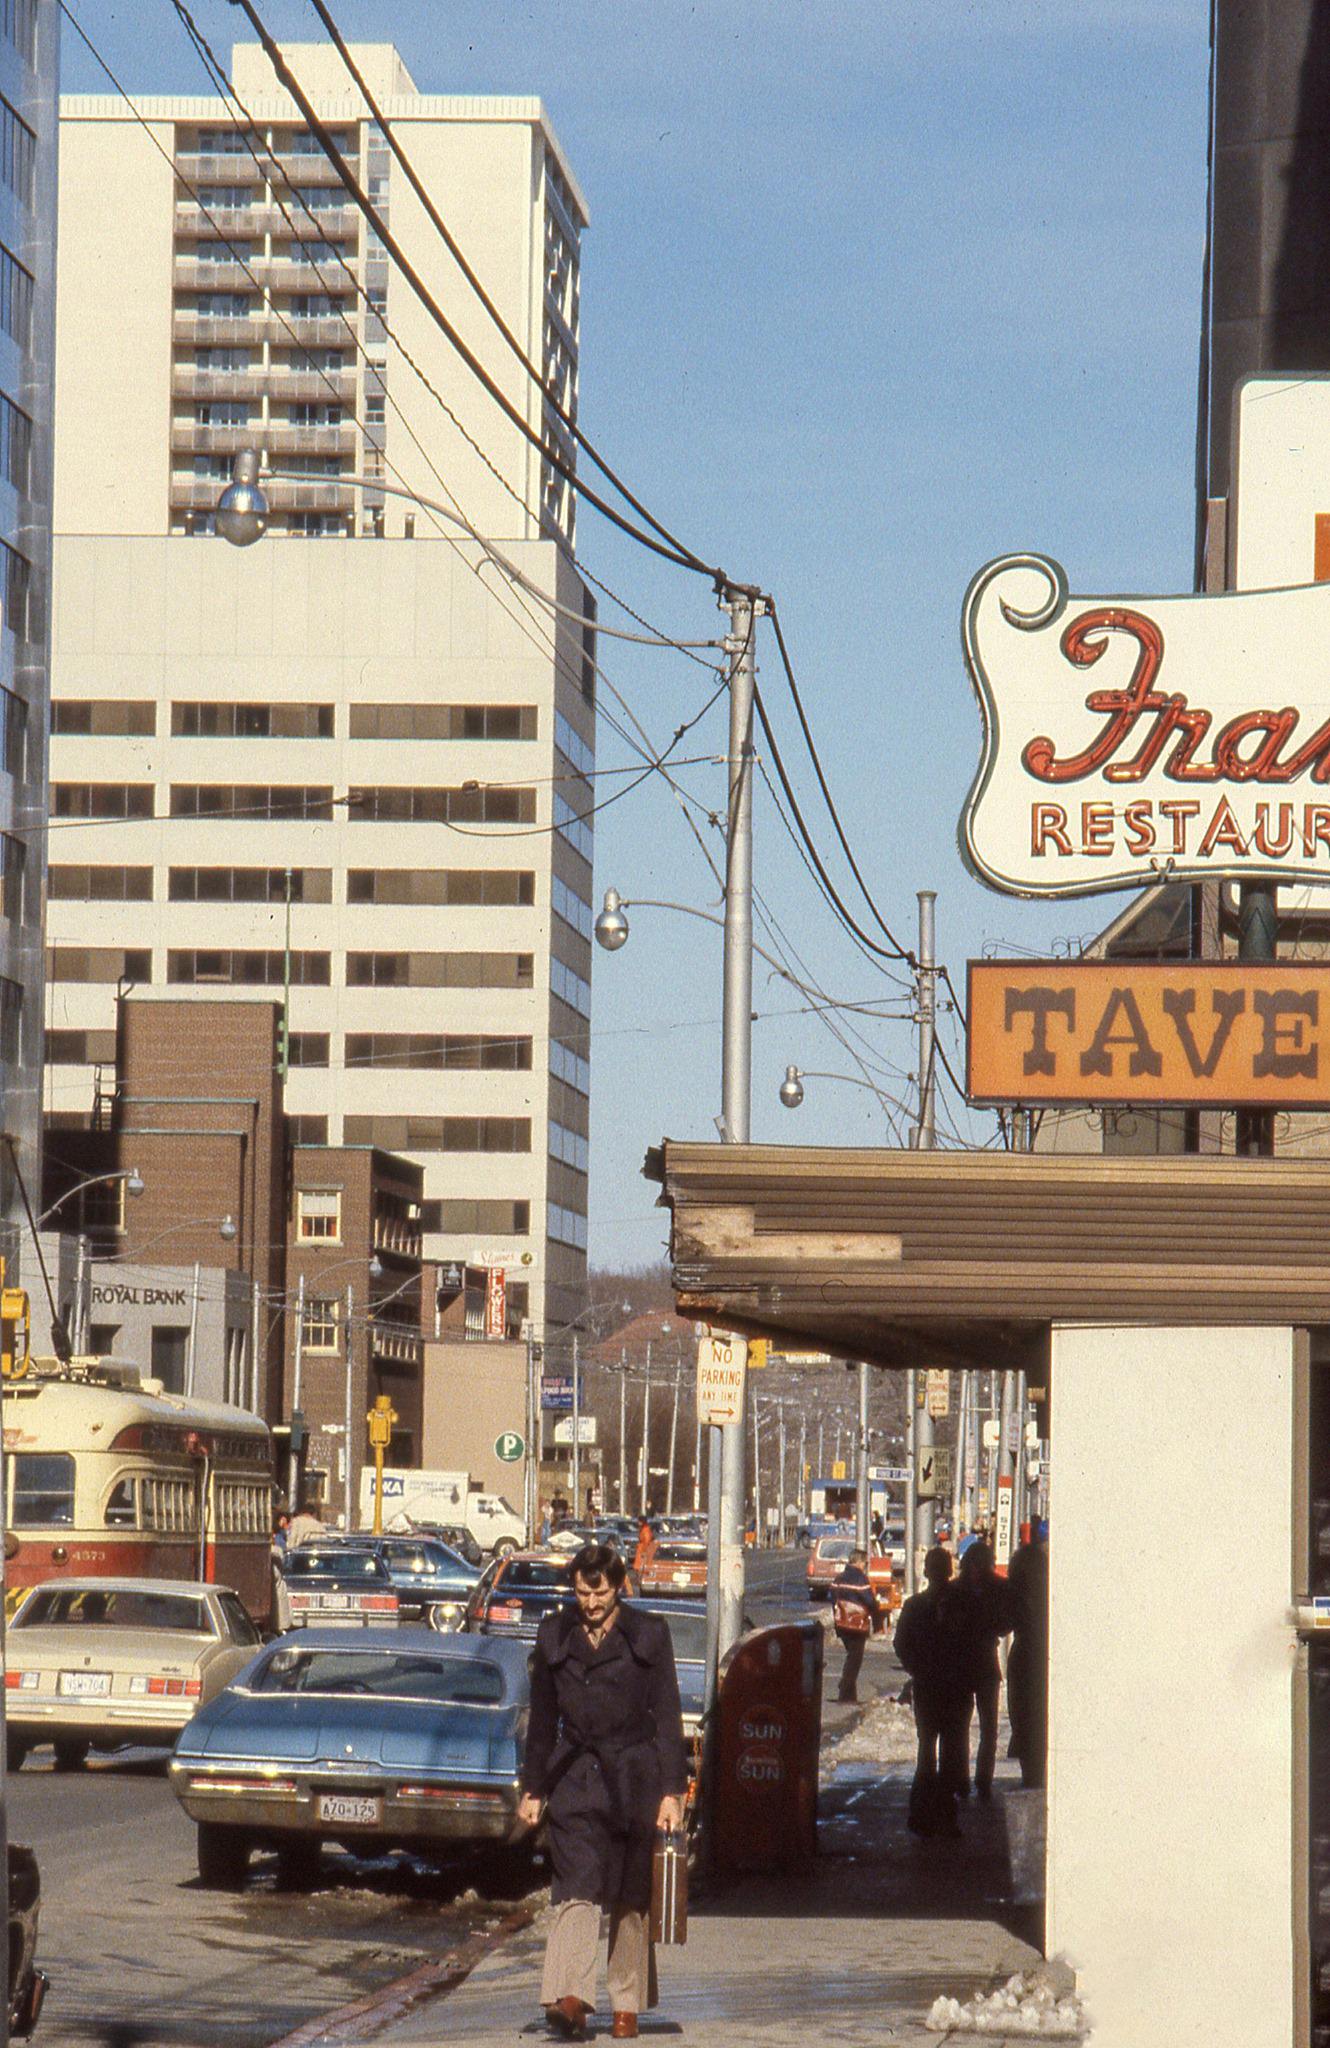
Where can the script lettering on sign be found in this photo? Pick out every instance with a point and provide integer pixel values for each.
(1133, 740)
(1059, 1032)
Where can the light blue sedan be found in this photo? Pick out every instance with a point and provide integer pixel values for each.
(385, 1738)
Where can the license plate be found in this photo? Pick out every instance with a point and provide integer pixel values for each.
(347, 1809)
(85, 1685)
(332, 1603)
(683, 1578)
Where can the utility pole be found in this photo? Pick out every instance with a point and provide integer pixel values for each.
(861, 1474)
(530, 1489)
(697, 1463)
(646, 1435)
(350, 1411)
(757, 1475)
(925, 1138)
(623, 1427)
(577, 1436)
(780, 1490)
(912, 1467)
(958, 1475)
(674, 1431)
(803, 1465)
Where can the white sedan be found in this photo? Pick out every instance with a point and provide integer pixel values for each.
(98, 1663)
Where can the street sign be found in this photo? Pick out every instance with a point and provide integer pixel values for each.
(509, 1446)
(939, 1394)
(992, 1434)
(891, 1475)
(722, 1361)
(935, 1472)
(1002, 1543)
(586, 1429)
(556, 1390)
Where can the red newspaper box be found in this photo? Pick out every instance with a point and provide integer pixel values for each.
(769, 1725)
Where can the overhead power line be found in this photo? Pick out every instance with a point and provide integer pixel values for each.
(682, 558)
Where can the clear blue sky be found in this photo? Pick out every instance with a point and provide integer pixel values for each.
(871, 294)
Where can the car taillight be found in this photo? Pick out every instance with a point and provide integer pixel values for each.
(22, 1681)
(160, 1686)
(204, 1784)
(501, 1613)
(487, 1801)
(380, 1603)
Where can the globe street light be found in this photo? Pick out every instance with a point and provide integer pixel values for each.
(242, 510)
(131, 1177)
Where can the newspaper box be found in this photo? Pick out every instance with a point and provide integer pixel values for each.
(769, 1725)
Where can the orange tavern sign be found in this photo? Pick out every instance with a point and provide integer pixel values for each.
(1132, 740)
(1192, 1034)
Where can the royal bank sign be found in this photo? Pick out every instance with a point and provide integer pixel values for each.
(1136, 740)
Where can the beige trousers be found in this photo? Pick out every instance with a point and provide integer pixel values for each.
(571, 1952)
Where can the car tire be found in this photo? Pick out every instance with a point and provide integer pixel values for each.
(71, 1752)
(298, 1864)
(442, 1616)
(223, 1856)
(504, 1546)
(16, 1748)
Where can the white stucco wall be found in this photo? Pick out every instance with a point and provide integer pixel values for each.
(1170, 1859)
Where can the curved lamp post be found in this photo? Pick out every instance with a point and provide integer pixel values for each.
(130, 1175)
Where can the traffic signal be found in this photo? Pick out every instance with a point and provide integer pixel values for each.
(381, 1418)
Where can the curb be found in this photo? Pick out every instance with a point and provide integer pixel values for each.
(365, 2017)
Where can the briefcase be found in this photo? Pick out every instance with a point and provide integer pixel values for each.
(669, 1886)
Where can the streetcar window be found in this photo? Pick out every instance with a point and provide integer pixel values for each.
(43, 1488)
(121, 1505)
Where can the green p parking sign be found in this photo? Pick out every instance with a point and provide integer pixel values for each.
(510, 1446)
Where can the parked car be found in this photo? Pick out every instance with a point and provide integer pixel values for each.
(99, 1662)
(570, 1537)
(829, 1557)
(433, 1584)
(455, 1536)
(334, 1583)
(27, 1984)
(516, 1593)
(386, 1738)
(687, 1624)
(677, 1568)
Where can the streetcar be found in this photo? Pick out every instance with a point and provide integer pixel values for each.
(107, 1475)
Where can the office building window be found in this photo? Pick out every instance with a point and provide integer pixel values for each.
(443, 721)
(491, 805)
(249, 800)
(252, 721)
(220, 305)
(570, 1147)
(15, 446)
(567, 904)
(307, 1130)
(99, 963)
(439, 1133)
(570, 1067)
(222, 142)
(169, 1353)
(18, 153)
(456, 887)
(18, 25)
(439, 970)
(95, 717)
(249, 969)
(80, 1048)
(101, 799)
(15, 299)
(319, 1215)
(572, 746)
(307, 1049)
(570, 987)
(463, 1217)
(71, 883)
(570, 821)
(13, 734)
(566, 1226)
(413, 1050)
(322, 1322)
(20, 609)
(13, 869)
(249, 885)
(11, 1021)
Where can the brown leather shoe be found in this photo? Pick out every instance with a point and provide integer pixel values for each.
(567, 2019)
(623, 2026)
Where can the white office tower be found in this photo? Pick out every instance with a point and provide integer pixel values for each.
(29, 41)
(382, 732)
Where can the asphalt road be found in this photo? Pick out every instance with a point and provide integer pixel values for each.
(130, 1938)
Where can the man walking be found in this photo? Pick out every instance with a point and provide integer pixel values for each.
(605, 1763)
(856, 1614)
(927, 1650)
(975, 1618)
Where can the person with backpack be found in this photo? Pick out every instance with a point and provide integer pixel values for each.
(856, 1613)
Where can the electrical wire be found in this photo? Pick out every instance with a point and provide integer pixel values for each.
(567, 420)
(680, 557)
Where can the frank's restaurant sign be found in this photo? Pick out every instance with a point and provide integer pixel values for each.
(1134, 740)
(1194, 1034)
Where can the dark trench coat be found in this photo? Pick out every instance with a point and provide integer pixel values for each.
(604, 1747)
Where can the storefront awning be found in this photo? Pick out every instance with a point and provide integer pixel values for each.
(875, 1254)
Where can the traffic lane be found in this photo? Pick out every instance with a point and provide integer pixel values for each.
(128, 1934)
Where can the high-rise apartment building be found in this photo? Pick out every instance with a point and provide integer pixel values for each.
(29, 42)
(356, 769)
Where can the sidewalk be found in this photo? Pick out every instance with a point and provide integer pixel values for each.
(855, 1954)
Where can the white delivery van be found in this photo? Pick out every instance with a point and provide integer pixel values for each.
(443, 1497)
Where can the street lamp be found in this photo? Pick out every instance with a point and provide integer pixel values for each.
(242, 510)
(133, 1180)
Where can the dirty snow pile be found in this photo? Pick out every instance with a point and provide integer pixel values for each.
(885, 1735)
(1027, 2003)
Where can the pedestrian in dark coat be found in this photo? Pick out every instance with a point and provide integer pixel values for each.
(977, 1614)
(605, 1762)
(857, 1613)
(1027, 1666)
(927, 1649)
